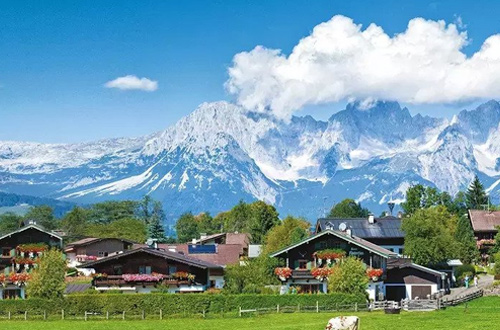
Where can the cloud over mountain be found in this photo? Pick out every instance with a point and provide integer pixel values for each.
(340, 60)
(130, 82)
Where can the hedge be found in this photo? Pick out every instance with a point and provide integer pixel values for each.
(173, 304)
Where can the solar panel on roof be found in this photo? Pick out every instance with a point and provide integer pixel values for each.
(198, 249)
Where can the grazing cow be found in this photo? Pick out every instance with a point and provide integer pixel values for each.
(343, 323)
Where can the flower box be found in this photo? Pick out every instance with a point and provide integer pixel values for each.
(374, 273)
(330, 254)
(283, 273)
(320, 273)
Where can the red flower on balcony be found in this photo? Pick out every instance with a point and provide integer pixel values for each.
(374, 273)
(331, 254)
(283, 273)
(142, 277)
(19, 279)
(34, 247)
(321, 273)
(183, 276)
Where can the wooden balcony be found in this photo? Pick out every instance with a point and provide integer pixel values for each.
(301, 274)
(118, 281)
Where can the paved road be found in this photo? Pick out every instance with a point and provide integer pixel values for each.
(484, 281)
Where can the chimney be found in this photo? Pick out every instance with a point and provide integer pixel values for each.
(348, 232)
(193, 241)
(400, 214)
(371, 218)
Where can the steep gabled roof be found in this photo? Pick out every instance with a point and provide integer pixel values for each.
(351, 239)
(385, 227)
(156, 252)
(484, 220)
(31, 226)
(91, 240)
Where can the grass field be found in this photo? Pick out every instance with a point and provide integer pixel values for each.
(481, 314)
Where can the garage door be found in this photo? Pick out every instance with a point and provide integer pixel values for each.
(395, 293)
(420, 291)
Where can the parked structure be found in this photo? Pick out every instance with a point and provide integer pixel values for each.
(20, 251)
(143, 269)
(308, 259)
(385, 231)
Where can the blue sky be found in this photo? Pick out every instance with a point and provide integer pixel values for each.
(56, 56)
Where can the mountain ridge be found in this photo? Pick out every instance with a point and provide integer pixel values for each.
(220, 153)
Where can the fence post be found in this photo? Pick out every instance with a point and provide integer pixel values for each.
(25, 315)
(62, 314)
(85, 317)
(161, 314)
(203, 313)
(298, 308)
(356, 307)
(143, 314)
(317, 306)
(9, 315)
(107, 315)
(240, 311)
(44, 315)
(278, 308)
(123, 315)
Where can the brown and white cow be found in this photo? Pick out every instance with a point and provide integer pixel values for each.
(343, 323)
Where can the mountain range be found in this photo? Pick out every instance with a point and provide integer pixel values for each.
(220, 153)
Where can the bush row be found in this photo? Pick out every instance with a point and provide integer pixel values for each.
(172, 304)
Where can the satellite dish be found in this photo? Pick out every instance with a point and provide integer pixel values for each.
(343, 226)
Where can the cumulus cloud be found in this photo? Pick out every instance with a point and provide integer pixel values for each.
(133, 82)
(341, 61)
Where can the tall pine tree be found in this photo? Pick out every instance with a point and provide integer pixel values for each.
(476, 196)
(155, 223)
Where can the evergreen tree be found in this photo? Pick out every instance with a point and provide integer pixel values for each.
(47, 280)
(348, 208)
(9, 222)
(155, 223)
(75, 223)
(476, 196)
(413, 201)
(239, 218)
(264, 217)
(43, 215)
(464, 235)
(187, 228)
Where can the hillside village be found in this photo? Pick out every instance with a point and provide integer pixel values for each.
(389, 253)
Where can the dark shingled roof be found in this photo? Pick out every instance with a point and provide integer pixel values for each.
(386, 227)
(484, 220)
(349, 238)
(160, 253)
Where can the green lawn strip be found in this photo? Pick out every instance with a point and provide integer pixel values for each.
(479, 314)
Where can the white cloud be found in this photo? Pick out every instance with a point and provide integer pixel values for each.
(133, 82)
(341, 61)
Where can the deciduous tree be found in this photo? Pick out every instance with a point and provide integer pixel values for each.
(289, 231)
(348, 208)
(349, 276)
(47, 280)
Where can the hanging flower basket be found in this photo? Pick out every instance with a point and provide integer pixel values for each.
(374, 273)
(183, 276)
(33, 248)
(321, 273)
(331, 254)
(142, 277)
(19, 279)
(283, 273)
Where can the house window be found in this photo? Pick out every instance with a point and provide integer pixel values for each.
(6, 252)
(11, 294)
(337, 245)
(172, 270)
(102, 254)
(144, 269)
(118, 270)
(323, 245)
(302, 264)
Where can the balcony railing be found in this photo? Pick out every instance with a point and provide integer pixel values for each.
(118, 281)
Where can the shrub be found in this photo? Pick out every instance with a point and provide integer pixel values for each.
(173, 304)
(496, 268)
(461, 270)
